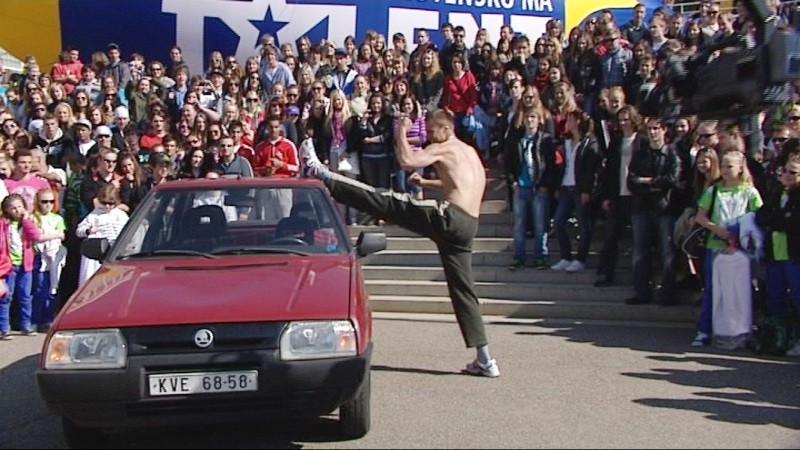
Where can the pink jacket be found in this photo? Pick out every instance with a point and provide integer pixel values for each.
(29, 233)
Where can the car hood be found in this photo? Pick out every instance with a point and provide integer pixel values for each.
(235, 289)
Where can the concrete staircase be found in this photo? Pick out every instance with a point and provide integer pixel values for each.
(408, 277)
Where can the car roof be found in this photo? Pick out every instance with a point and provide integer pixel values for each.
(223, 183)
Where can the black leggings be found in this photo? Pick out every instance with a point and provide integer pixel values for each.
(450, 227)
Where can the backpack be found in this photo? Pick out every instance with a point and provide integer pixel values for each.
(775, 335)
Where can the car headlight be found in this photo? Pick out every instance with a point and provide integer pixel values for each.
(322, 339)
(86, 349)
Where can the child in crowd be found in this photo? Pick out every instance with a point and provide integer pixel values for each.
(735, 197)
(19, 233)
(105, 221)
(50, 258)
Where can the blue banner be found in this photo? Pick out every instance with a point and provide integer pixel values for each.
(151, 27)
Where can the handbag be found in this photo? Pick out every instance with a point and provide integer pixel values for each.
(694, 243)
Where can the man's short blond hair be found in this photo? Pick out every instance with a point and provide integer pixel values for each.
(442, 118)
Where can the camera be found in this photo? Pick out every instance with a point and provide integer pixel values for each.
(730, 78)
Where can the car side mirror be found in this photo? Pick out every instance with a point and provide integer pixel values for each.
(370, 242)
(95, 248)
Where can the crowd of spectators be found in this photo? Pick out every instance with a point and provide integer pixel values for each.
(581, 122)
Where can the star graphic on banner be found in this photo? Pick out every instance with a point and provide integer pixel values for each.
(268, 25)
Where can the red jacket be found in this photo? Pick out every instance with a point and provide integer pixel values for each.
(282, 149)
(460, 96)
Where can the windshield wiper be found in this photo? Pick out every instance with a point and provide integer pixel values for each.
(256, 250)
(168, 252)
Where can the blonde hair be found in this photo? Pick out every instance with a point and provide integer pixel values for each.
(745, 177)
(345, 103)
(544, 113)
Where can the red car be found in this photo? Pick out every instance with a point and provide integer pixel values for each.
(221, 300)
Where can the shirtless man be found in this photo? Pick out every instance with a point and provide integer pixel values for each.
(451, 223)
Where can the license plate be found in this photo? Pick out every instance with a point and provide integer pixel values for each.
(202, 382)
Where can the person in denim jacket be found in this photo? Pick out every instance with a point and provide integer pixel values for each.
(529, 170)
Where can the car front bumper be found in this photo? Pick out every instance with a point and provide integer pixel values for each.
(120, 398)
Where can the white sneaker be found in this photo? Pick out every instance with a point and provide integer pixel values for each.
(794, 351)
(575, 266)
(312, 167)
(488, 370)
(561, 265)
(701, 340)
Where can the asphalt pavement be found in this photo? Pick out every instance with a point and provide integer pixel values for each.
(563, 384)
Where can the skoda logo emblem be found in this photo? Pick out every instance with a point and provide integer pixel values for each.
(204, 338)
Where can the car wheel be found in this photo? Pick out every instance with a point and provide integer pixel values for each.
(354, 416)
(82, 437)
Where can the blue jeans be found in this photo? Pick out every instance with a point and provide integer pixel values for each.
(569, 200)
(18, 281)
(782, 275)
(647, 226)
(705, 323)
(529, 202)
(43, 301)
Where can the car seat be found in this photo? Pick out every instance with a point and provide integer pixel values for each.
(202, 227)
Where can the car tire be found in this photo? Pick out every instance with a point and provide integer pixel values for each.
(354, 416)
(81, 437)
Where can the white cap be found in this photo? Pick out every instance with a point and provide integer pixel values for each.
(122, 112)
(35, 126)
(102, 130)
(84, 122)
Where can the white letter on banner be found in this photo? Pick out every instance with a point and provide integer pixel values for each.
(467, 21)
(408, 21)
(301, 18)
(189, 29)
(480, 3)
(492, 23)
(529, 25)
(546, 5)
(507, 4)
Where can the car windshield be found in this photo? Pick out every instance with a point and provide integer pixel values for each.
(232, 221)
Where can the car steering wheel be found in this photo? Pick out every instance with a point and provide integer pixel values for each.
(288, 240)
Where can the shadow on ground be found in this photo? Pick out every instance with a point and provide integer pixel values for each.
(737, 386)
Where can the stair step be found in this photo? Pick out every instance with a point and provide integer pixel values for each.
(500, 290)
(486, 244)
(550, 309)
(484, 230)
(417, 258)
(492, 274)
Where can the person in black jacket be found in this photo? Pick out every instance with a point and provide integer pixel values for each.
(577, 184)
(614, 192)
(529, 170)
(375, 131)
(780, 220)
(653, 178)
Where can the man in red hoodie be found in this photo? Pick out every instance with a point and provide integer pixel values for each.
(276, 157)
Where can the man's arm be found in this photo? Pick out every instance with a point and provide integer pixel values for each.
(409, 159)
